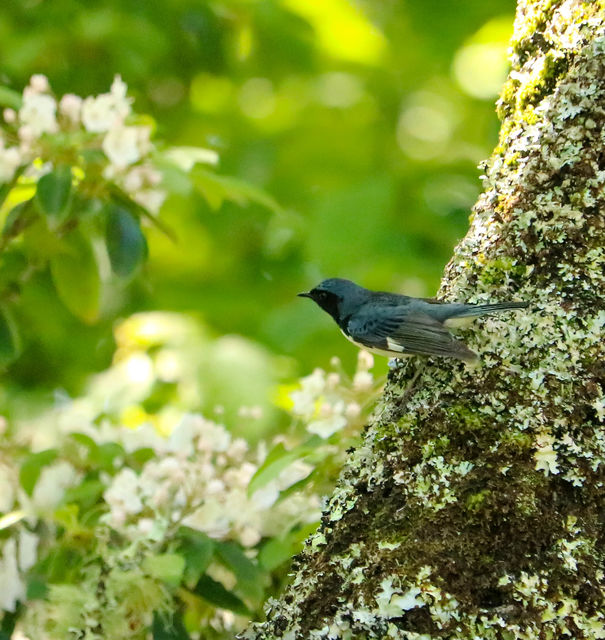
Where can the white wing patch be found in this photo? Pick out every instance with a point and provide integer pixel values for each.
(397, 349)
(395, 346)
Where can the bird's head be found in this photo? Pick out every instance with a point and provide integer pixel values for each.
(336, 296)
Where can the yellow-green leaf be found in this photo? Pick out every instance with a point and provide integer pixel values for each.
(76, 277)
(167, 567)
(10, 344)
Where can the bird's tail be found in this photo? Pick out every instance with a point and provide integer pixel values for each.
(485, 309)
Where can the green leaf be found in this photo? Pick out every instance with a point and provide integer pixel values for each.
(277, 551)
(126, 244)
(187, 157)
(215, 593)
(197, 549)
(249, 577)
(19, 218)
(216, 189)
(8, 623)
(166, 627)
(52, 193)
(103, 457)
(10, 341)
(140, 456)
(76, 277)
(120, 197)
(274, 553)
(32, 467)
(85, 494)
(277, 460)
(36, 588)
(10, 98)
(83, 439)
(168, 567)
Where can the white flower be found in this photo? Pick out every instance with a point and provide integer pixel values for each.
(145, 526)
(71, 107)
(26, 136)
(303, 404)
(118, 90)
(151, 199)
(10, 116)
(213, 437)
(182, 436)
(328, 426)
(333, 380)
(140, 177)
(121, 146)
(28, 549)
(365, 360)
(237, 449)
(314, 383)
(13, 588)
(10, 159)
(143, 436)
(353, 410)
(107, 110)
(38, 113)
(363, 381)
(51, 485)
(39, 83)
(7, 489)
(264, 497)
(249, 536)
(99, 114)
(123, 493)
(134, 180)
(211, 518)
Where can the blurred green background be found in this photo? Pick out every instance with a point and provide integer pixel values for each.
(364, 120)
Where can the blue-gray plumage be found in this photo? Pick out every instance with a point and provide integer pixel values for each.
(396, 325)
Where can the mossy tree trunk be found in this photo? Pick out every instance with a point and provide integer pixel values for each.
(475, 506)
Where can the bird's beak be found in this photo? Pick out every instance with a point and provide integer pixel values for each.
(304, 294)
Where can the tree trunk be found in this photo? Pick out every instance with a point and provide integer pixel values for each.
(475, 506)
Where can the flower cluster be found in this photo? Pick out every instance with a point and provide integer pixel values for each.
(46, 128)
(327, 403)
(162, 511)
(199, 477)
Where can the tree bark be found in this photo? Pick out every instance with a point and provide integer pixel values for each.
(475, 506)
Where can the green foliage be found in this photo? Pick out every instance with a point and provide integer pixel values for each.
(10, 343)
(32, 466)
(139, 529)
(52, 194)
(215, 593)
(367, 147)
(126, 244)
(75, 274)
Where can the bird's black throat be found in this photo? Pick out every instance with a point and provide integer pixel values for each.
(328, 301)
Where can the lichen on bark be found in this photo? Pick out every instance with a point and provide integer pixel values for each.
(474, 507)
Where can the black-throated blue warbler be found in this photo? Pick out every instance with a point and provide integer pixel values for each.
(396, 325)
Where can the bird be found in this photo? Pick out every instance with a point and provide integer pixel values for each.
(396, 325)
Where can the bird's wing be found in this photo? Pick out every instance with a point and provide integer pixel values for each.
(396, 330)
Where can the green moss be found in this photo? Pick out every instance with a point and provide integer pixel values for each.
(464, 416)
(497, 272)
(476, 500)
